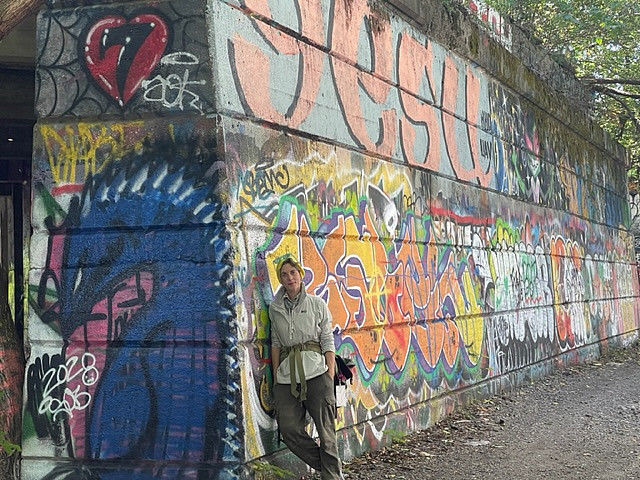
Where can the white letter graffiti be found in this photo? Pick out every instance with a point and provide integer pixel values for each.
(172, 90)
(61, 376)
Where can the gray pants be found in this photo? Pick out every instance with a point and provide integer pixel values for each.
(321, 405)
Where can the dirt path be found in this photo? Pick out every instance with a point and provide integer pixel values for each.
(580, 423)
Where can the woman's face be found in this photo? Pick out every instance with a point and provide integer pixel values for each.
(290, 279)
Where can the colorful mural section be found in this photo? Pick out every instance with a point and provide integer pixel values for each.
(132, 369)
(358, 76)
(634, 212)
(458, 231)
(433, 286)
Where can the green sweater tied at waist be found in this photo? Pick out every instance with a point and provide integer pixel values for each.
(295, 362)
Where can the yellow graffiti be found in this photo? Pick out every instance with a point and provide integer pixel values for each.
(77, 151)
(374, 307)
(313, 162)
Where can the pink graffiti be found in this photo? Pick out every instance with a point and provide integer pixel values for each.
(451, 90)
(94, 339)
(500, 28)
(250, 60)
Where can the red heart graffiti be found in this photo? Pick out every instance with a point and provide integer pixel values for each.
(121, 53)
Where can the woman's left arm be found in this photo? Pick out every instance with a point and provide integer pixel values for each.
(330, 358)
(326, 339)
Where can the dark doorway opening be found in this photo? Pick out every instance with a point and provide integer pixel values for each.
(16, 139)
(17, 119)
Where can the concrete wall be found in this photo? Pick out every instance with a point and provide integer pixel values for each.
(130, 371)
(466, 226)
(634, 227)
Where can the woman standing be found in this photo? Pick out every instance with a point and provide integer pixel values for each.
(303, 360)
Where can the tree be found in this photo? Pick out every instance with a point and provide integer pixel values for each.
(12, 12)
(600, 41)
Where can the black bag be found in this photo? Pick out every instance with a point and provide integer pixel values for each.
(341, 380)
(343, 371)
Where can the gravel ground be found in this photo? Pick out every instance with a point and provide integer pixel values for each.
(579, 423)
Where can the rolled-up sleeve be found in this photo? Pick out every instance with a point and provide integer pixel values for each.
(275, 340)
(326, 329)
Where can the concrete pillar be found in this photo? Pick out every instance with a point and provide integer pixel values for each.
(131, 367)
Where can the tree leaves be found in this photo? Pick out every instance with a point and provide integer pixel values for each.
(8, 447)
(601, 41)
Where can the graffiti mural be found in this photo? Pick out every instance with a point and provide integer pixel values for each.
(634, 206)
(431, 286)
(119, 53)
(354, 74)
(132, 361)
(460, 233)
(399, 95)
(124, 60)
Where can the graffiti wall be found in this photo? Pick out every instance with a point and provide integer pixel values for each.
(432, 286)
(457, 231)
(363, 79)
(131, 366)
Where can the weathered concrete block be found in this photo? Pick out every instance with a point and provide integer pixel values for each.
(123, 59)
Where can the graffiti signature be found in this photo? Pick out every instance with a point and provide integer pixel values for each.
(264, 180)
(63, 374)
(172, 91)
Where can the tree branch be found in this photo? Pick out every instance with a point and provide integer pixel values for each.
(612, 91)
(12, 12)
(631, 114)
(610, 81)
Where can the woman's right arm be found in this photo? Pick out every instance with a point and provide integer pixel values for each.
(275, 361)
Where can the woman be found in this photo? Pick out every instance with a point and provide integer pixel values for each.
(303, 360)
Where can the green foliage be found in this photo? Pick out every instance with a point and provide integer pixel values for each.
(8, 447)
(266, 471)
(396, 436)
(600, 39)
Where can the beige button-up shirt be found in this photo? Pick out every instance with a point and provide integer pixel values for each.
(309, 320)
